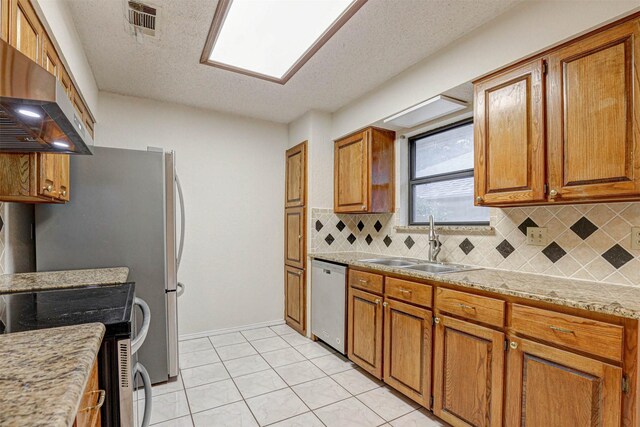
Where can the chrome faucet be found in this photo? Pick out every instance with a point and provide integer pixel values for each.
(434, 242)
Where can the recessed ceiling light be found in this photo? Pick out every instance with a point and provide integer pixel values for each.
(29, 113)
(60, 144)
(272, 40)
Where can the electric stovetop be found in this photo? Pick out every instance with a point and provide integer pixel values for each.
(110, 305)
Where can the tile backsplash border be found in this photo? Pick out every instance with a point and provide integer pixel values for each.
(587, 241)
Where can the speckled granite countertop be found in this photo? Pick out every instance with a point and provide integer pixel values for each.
(618, 300)
(43, 374)
(28, 282)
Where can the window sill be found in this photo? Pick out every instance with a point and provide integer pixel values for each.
(447, 229)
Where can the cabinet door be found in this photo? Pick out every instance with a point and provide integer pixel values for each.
(296, 175)
(47, 171)
(51, 61)
(407, 350)
(547, 387)
(351, 173)
(509, 136)
(468, 373)
(295, 298)
(295, 237)
(26, 31)
(62, 176)
(593, 116)
(4, 20)
(364, 331)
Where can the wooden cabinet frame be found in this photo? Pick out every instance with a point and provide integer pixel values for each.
(295, 253)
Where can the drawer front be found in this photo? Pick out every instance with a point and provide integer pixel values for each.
(590, 336)
(472, 307)
(412, 292)
(366, 281)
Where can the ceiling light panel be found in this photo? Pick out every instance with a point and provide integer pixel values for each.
(273, 38)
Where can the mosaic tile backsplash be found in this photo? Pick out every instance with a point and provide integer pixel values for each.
(591, 241)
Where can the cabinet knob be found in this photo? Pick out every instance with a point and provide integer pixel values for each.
(300, 237)
(377, 301)
(48, 188)
(436, 320)
(513, 345)
(385, 304)
(364, 208)
(478, 199)
(553, 193)
(64, 193)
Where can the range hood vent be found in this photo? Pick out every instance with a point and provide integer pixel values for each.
(431, 109)
(36, 114)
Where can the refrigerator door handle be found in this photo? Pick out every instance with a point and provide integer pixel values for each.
(138, 368)
(136, 343)
(182, 221)
(180, 289)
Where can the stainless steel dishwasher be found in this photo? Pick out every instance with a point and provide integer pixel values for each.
(328, 300)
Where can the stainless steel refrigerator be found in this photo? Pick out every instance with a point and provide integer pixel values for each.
(123, 213)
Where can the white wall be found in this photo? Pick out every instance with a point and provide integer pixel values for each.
(232, 173)
(527, 28)
(56, 16)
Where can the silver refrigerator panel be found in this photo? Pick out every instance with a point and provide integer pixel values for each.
(116, 217)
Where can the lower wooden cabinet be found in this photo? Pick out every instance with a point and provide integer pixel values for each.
(548, 387)
(92, 400)
(34, 177)
(407, 350)
(468, 373)
(295, 298)
(364, 331)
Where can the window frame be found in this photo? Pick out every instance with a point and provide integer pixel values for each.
(448, 176)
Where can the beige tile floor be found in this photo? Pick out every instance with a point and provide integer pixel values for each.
(276, 377)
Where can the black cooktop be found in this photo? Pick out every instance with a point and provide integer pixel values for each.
(110, 305)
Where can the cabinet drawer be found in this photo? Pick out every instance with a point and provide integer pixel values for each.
(366, 281)
(469, 306)
(416, 293)
(590, 336)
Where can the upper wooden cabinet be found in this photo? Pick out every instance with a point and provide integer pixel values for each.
(548, 387)
(364, 172)
(4, 20)
(296, 176)
(591, 152)
(26, 31)
(509, 136)
(594, 116)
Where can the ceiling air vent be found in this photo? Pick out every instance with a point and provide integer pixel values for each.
(142, 18)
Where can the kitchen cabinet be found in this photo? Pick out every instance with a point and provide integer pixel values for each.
(364, 330)
(548, 387)
(407, 350)
(563, 126)
(594, 119)
(295, 298)
(37, 177)
(364, 172)
(296, 176)
(92, 399)
(295, 237)
(468, 373)
(509, 136)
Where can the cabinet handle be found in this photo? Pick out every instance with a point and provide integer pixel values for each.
(385, 304)
(436, 320)
(405, 291)
(466, 307)
(48, 188)
(64, 193)
(365, 281)
(364, 208)
(553, 193)
(478, 199)
(513, 345)
(300, 237)
(563, 330)
(97, 405)
(377, 301)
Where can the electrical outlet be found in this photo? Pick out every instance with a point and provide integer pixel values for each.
(635, 238)
(537, 236)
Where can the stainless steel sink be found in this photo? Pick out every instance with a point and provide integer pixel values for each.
(393, 262)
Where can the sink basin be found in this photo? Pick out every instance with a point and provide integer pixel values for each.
(436, 268)
(392, 262)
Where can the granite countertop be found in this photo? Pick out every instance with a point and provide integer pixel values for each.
(43, 374)
(28, 282)
(618, 300)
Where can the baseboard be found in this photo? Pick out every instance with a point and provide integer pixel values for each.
(184, 337)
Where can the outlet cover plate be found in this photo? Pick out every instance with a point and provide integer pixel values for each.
(537, 236)
(635, 238)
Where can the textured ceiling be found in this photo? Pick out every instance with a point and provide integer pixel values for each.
(384, 38)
